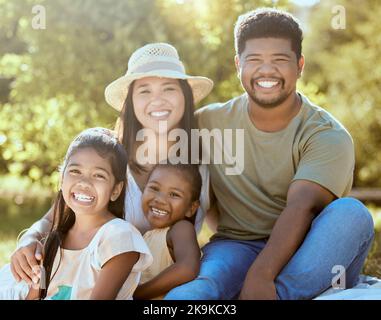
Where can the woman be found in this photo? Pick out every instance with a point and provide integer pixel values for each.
(154, 91)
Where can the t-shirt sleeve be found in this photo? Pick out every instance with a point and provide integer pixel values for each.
(205, 115)
(327, 158)
(121, 238)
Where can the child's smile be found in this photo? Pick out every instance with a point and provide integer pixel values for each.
(158, 212)
(83, 198)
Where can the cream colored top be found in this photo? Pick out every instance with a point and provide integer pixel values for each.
(156, 241)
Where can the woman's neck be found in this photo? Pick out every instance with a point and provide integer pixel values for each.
(160, 146)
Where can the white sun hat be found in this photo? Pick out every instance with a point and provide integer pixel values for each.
(155, 60)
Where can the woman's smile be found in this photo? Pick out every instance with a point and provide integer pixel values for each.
(160, 114)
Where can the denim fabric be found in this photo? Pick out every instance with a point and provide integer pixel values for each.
(340, 235)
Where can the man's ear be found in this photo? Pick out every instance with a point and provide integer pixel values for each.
(301, 65)
(116, 191)
(194, 206)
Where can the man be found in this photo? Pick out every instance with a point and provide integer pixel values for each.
(283, 228)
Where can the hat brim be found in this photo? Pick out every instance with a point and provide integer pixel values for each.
(116, 91)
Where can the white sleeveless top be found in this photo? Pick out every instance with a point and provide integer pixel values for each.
(133, 207)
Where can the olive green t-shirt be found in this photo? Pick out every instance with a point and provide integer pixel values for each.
(314, 147)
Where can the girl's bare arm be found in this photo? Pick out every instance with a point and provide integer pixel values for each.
(113, 275)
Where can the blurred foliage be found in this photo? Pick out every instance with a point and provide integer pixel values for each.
(346, 65)
(57, 76)
(52, 81)
(17, 214)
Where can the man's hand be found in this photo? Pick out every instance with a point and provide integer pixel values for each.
(258, 288)
(24, 261)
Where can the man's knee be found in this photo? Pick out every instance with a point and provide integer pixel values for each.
(354, 215)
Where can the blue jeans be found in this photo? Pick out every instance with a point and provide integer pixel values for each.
(340, 235)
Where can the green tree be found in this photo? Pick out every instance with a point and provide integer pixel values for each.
(58, 74)
(346, 66)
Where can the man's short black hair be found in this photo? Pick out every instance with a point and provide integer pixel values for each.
(268, 23)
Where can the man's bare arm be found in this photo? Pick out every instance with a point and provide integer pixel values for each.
(305, 200)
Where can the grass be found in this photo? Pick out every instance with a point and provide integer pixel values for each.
(7, 246)
(16, 214)
(22, 202)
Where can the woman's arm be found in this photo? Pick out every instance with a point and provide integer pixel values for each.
(37, 231)
(29, 250)
(186, 266)
(113, 275)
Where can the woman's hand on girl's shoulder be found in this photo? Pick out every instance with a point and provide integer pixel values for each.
(23, 260)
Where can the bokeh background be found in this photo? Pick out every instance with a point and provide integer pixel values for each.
(52, 81)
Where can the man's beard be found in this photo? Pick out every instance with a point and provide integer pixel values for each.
(266, 103)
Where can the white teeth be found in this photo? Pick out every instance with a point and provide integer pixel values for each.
(159, 212)
(159, 113)
(83, 197)
(267, 84)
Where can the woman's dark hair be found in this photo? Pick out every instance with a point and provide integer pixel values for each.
(129, 125)
(106, 144)
(192, 175)
(268, 23)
